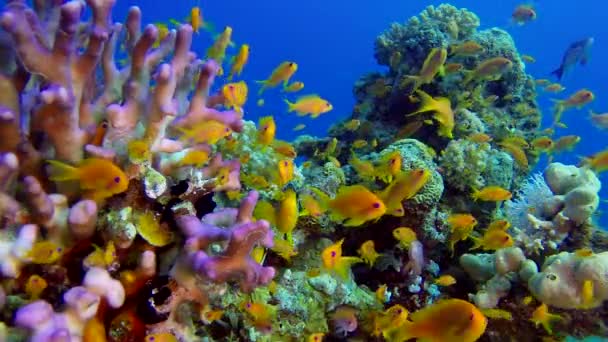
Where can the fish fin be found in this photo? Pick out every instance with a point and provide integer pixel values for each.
(263, 83)
(477, 243)
(61, 171)
(290, 106)
(558, 73)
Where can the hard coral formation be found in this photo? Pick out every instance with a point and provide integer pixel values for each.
(547, 209)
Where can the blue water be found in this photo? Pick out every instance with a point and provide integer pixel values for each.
(332, 41)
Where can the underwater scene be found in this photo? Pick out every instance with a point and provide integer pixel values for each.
(203, 170)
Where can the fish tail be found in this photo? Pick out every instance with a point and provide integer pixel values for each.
(558, 73)
(323, 197)
(61, 171)
(404, 333)
(477, 243)
(290, 106)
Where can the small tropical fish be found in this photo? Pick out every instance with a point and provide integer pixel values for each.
(344, 320)
(309, 104)
(527, 300)
(497, 314)
(287, 215)
(235, 95)
(316, 337)
(260, 102)
(516, 140)
(542, 144)
(584, 252)
(294, 87)
(433, 64)
(310, 206)
(332, 260)
(449, 320)
(161, 337)
(405, 236)
(365, 169)
(461, 226)
(284, 249)
(352, 125)
(209, 315)
(542, 316)
(102, 258)
(163, 32)
(587, 295)
(267, 129)
(499, 225)
(467, 48)
(451, 68)
(100, 177)
(152, 231)
(598, 162)
(390, 166)
(387, 322)
(280, 74)
(445, 280)
(34, 286)
(299, 127)
(284, 148)
(367, 252)
(576, 100)
(528, 59)
(195, 157)
(382, 294)
(479, 138)
(554, 88)
(409, 129)
(205, 132)
(577, 52)
(353, 205)
(491, 193)
(405, 186)
(523, 14)
(44, 252)
(100, 133)
(441, 108)
(239, 61)
(285, 169)
(516, 151)
(542, 81)
(492, 239)
(359, 143)
(489, 69)
(217, 51)
(196, 19)
(599, 120)
(261, 315)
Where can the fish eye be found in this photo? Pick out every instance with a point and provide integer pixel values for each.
(286, 163)
(290, 64)
(471, 317)
(551, 276)
(333, 254)
(116, 179)
(506, 238)
(104, 124)
(376, 205)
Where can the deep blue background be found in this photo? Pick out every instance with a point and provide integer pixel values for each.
(332, 41)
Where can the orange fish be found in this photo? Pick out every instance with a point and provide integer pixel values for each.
(491, 193)
(390, 167)
(35, 285)
(205, 132)
(261, 315)
(489, 69)
(310, 206)
(451, 68)
(405, 186)
(287, 215)
(461, 226)
(449, 320)
(100, 133)
(332, 260)
(280, 74)
(599, 120)
(576, 100)
(365, 169)
(468, 48)
(523, 14)
(542, 144)
(284, 148)
(100, 177)
(267, 129)
(493, 239)
(309, 104)
(294, 87)
(353, 205)
(388, 322)
(554, 88)
(235, 95)
(239, 61)
(445, 280)
(518, 154)
(433, 64)
(479, 138)
(598, 162)
(285, 169)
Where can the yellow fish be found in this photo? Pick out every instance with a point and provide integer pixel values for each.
(353, 205)
(267, 129)
(490, 69)
(441, 108)
(309, 104)
(100, 177)
(205, 132)
(294, 87)
(542, 316)
(368, 253)
(239, 61)
(433, 64)
(45, 252)
(352, 125)
(217, 51)
(445, 280)
(287, 215)
(161, 337)
(405, 186)
(35, 285)
(280, 74)
(285, 171)
(333, 260)
(491, 193)
(493, 239)
(405, 236)
(235, 95)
